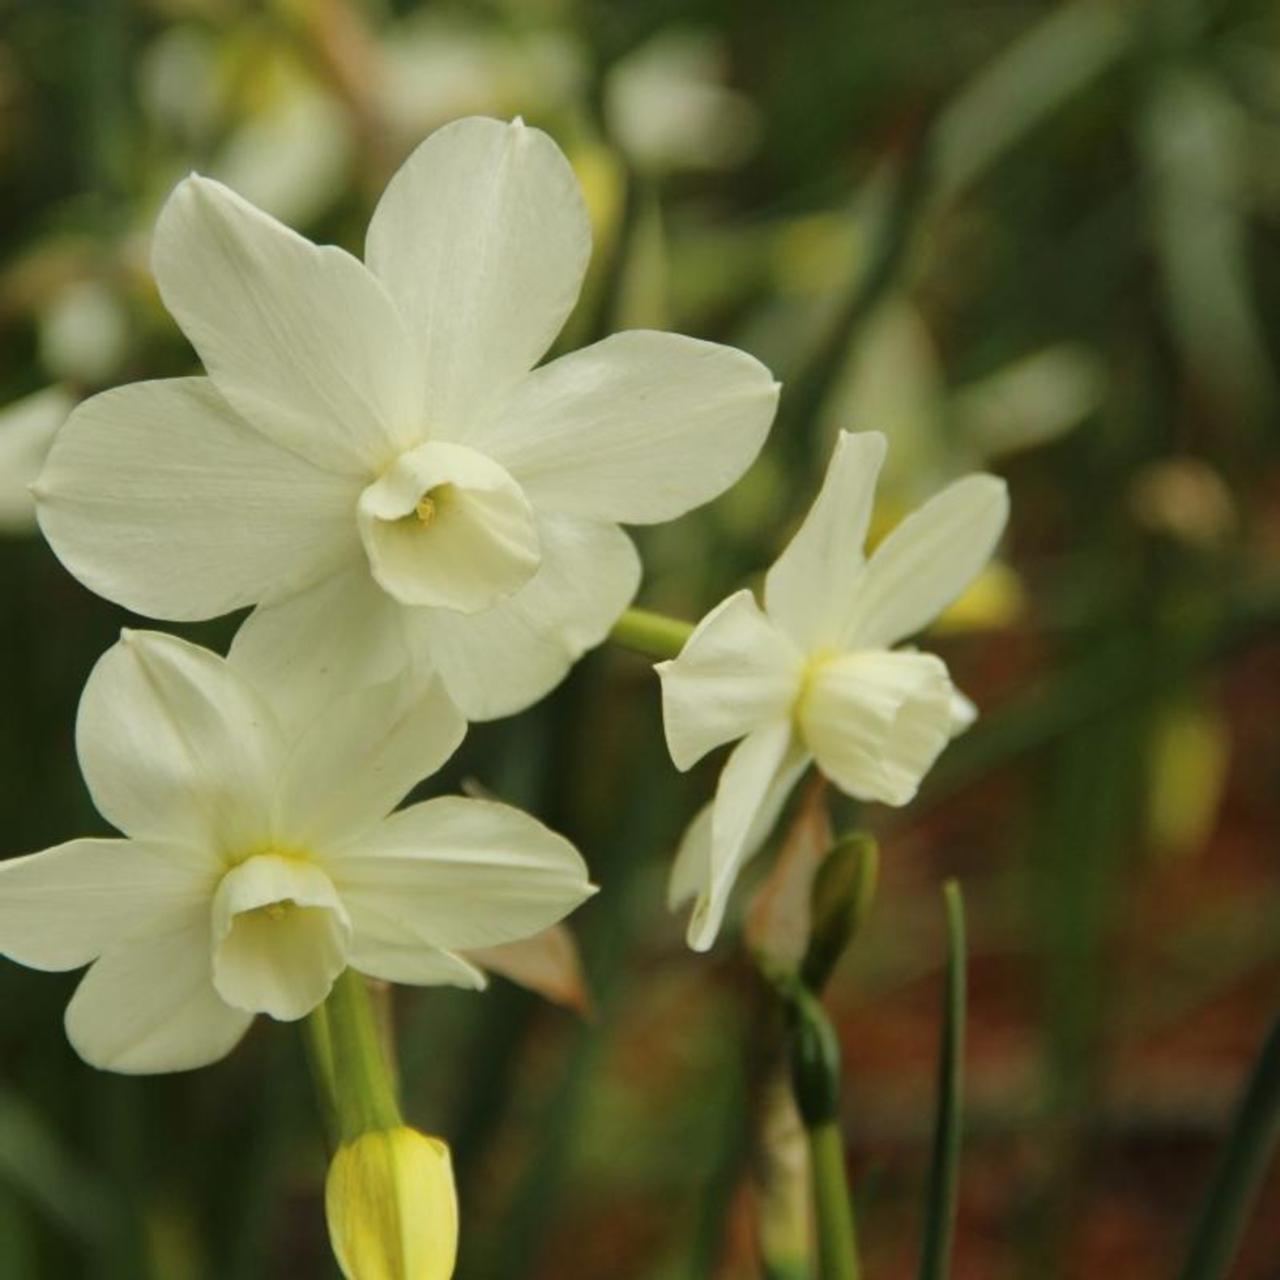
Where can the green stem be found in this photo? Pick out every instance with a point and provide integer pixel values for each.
(315, 1035)
(837, 1237)
(944, 1167)
(815, 1081)
(652, 634)
(349, 1063)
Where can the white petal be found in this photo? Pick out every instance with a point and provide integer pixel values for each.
(964, 711)
(150, 1006)
(447, 526)
(459, 873)
(26, 430)
(876, 722)
(304, 341)
(160, 497)
(280, 936)
(176, 746)
(810, 589)
(362, 755)
(413, 964)
(639, 428)
(303, 653)
(691, 870)
(927, 561)
(64, 907)
(736, 672)
(499, 662)
(757, 778)
(482, 238)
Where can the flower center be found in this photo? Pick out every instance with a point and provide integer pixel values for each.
(280, 935)
(446, 526)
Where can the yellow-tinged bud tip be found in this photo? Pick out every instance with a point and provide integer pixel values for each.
(392, 1208)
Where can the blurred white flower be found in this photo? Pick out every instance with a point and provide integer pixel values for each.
(373, 460)
(668, 108)
(27, 428)
(434, 68)
(292, 157)
(84, 333)
(815, 676)
(259, 864)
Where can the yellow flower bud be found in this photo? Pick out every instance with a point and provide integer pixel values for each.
(392, 1208)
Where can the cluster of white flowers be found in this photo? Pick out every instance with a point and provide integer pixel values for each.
(426, 523)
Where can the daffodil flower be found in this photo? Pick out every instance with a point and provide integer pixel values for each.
(260, 863)
(815, 676)
(373, 460)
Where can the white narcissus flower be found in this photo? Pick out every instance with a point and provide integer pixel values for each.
(257, 866)
(815, 676)
(373, 460)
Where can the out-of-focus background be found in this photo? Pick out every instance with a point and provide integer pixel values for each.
(1041, 238)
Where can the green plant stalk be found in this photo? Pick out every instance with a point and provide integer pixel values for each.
(347, 1058)
(652, 634)
(815, 1080)
(1240, 1170)
(944, 1167)
(837, 1236)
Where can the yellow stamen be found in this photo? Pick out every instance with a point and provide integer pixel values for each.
(277, 910)
(426, 509)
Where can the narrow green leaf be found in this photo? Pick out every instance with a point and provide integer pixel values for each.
(1241, 1167)
(944, 1170)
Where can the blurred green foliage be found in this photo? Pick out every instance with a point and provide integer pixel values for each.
(1043, 238)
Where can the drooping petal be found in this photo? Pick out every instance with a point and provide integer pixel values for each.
(811, 586)
(381, 950)
(877, 721)
(691, 869)
(362, 755)
(26, 430)
(926, 562)
(460, 873)
(548, 964)
(150, 1006)
(964, 711)
(499, 662)
(176, 746)
(448, 527)
(280, 936)
(736, 672)
(160, 497)
(303, 340)
(482, 238)
(638, 428)
(344, 632)
(64, 907)
(754, 785)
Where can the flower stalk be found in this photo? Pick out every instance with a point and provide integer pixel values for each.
(390, 1200)
(363, 1096)
(815, 1077)
(837, 1235)
(652, 634)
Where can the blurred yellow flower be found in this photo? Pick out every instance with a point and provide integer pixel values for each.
(995, 598)
(392, 1207)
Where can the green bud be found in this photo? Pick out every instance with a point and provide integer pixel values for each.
(815, 1060)
(842, 894)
